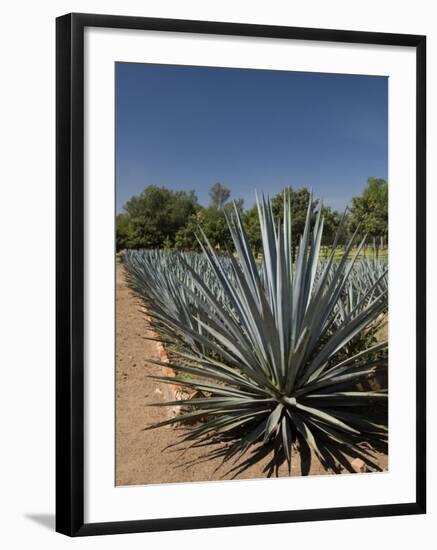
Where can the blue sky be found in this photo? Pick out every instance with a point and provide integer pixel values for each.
(189, 127)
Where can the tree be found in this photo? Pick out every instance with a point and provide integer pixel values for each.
(156, 215)
(299, 200)
(370, 210)
(122, 231)
(331, 224)
(252, 227)
(162, 218)
(299, 205)
(219, 195)
(236, 203)
(185, 238)
(213, 223)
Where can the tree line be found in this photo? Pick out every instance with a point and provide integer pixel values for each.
(163, 218)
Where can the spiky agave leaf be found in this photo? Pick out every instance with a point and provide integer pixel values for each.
(164, 284)
(266, 351)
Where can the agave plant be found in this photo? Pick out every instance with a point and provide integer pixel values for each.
(264, 350)
(166, 287)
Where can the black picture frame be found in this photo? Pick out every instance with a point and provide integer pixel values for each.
(70, 273)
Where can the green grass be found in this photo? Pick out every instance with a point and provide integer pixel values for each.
(369, 253)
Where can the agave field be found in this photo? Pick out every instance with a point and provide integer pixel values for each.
(274, 354)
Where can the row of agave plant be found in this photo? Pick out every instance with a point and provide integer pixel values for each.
(275, 350)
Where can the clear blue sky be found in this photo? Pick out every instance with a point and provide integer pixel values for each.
(189, 127)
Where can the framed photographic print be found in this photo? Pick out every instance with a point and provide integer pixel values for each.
(240, 274)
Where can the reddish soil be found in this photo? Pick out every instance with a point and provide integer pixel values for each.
(141, 457)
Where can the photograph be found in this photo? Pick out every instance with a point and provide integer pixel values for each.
(216, 284)
(251, 258)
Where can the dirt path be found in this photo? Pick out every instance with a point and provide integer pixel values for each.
(140, 455)
(141, 458)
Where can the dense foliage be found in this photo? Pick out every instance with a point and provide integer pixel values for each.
(162, 218)
(369, 212)
(153, 218)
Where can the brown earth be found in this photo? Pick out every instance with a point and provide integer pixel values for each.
(141, 457)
